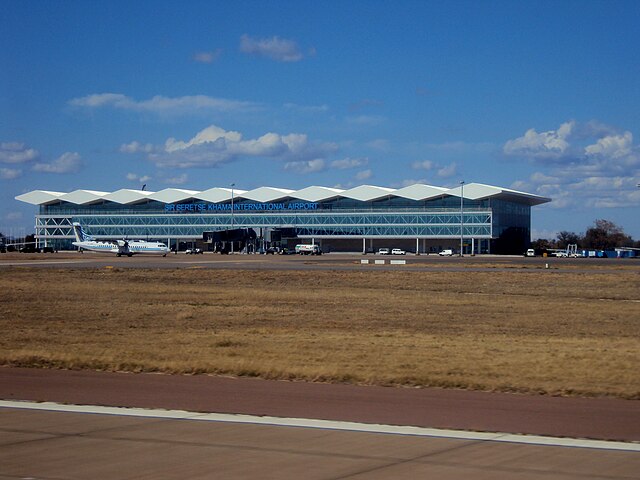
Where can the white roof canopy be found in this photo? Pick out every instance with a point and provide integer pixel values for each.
(364, 193)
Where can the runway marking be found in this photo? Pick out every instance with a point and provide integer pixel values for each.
(327, 425)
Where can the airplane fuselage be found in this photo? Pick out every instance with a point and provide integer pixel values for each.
(121, 247)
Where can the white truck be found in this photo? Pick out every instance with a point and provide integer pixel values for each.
(308, 249)
(446, 252)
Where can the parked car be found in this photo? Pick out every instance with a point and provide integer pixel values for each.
(398, 251)
(383, 251)
(446, 252)
(192, 251)
(530, 253)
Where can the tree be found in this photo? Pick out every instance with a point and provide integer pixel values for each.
(541, 244)
(567, 238)
(605, 235)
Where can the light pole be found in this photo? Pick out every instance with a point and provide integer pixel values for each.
(232, 185)
(461, 217)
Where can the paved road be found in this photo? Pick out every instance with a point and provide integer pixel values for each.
(165, 444)
(57, 445)
(598, 418)
(334, 261)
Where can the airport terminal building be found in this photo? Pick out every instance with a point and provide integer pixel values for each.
(418, 218)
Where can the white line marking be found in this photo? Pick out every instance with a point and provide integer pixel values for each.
(326, 424)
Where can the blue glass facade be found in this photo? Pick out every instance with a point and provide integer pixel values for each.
(338, 219)
(417, 217)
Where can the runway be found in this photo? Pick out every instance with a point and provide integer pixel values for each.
(333, 261)
(363, 432)
(63, 445)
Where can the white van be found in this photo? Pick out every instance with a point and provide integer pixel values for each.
(446, 253)
(530, 253)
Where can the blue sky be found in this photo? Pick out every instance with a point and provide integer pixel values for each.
(542, 97)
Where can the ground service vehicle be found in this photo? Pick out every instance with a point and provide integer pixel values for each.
(383, 251)
(530, 253)
(398, 251)
(311, 249)
(446, 253)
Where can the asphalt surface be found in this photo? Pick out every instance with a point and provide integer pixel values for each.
(50, 445)
(36, 441)
(596, 418)
(332, 261)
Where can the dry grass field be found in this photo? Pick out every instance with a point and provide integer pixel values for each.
(535, 331)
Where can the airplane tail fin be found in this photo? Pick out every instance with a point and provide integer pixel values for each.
(80, 234)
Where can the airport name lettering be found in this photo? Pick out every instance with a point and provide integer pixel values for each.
(216, 207)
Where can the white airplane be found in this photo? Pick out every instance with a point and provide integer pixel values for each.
(119, 247)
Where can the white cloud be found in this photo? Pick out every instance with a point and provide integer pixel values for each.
(214, 146)
(364, 175)
(160, 104)
(15, 152)
(207, 57)
(442, 171)
(411, 181)
(134, 177)
(541, 178)
(310, 166)
(595, 166)
(612, 146)
(210, 134)
(179, 180)
(346, 163)
(13, 216)
(136, 147)
(593, 128)
(607, 192)
(423, 165)
(275, 48)
(68, 162)
(9, 173)
(545, 145)
(448, 171)
(520, 185)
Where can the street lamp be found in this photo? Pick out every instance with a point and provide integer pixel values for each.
(232, 185)
(461, 217)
